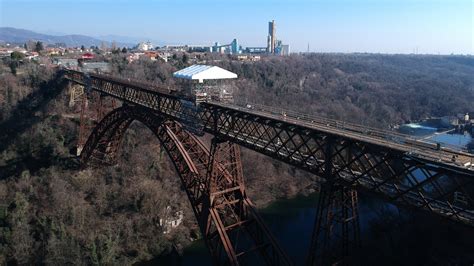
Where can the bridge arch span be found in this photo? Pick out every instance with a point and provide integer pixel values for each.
(222, 222)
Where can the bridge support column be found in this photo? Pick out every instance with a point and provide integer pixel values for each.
(99, 106)
(243, 235)
(336, 232)
(84, 126)
(88, 116)
(227, 193)
(75, 94)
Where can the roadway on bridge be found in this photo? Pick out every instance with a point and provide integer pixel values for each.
(393, 140)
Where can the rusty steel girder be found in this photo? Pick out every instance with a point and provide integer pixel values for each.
(399, 170)
(231, 228)
(389, 171)
(392, 166)
(336, 232)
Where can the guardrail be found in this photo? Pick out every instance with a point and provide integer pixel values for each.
(417, 142)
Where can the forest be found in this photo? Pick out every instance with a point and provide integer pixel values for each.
(372, 89)
(52, 211)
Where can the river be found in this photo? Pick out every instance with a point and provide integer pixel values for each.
(390, 235)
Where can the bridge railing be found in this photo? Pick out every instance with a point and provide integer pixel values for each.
(216, 117)
(285, 113)
(174, 105)
(388, 135)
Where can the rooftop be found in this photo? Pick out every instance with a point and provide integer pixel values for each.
(204, 72)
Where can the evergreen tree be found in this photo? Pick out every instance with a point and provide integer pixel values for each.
(39, 47)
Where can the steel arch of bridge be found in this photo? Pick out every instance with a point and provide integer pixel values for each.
(403, 172)
(400, 170)
(231, 228)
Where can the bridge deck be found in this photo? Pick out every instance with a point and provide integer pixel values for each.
(401, 168)
(393, 140)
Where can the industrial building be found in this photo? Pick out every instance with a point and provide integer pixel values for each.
(231, 48)
(274, 46)
(271, 39)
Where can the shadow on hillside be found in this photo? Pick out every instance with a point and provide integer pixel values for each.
(23, 115)
(34, 164)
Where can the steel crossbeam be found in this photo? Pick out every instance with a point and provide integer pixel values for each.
(347, 157)
(233, 231)
(415, 176)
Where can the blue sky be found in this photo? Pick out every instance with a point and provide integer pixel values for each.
(384, 26)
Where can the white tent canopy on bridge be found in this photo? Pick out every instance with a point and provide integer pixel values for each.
(204, 72)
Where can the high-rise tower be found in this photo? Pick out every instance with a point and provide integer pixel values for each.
(271, 37)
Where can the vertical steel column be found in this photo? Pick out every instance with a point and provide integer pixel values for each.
(336, 231)
(99, 106)
(75, 93)
(82, 125)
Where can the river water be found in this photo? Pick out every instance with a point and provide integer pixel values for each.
(390, 236)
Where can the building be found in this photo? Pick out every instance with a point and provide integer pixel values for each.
(231, 48)
(206, 82)
(248, 58)
(271, 39)
(66, 62)
(256, 50)
(174, 48)
(285, 49)
(87, 56)
(234, 47)
(145, 46)
(151, 55)
(32, 55)
(96, 67)
(133, 57)
(54, 51)
(171, 220)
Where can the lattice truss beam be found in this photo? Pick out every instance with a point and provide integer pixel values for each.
(234, 232)
(380, 168)
(390, 173)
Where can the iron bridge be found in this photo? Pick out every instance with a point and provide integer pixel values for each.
(347, 157)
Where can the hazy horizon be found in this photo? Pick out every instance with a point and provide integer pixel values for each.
(384, 26)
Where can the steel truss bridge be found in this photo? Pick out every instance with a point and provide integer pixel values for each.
(348, 158)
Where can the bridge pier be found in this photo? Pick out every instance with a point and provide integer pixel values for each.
(397, 168)
(76, 93)
(91, 110)
(244, 236)
(336, 232)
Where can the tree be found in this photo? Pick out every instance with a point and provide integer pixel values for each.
(39, 47)
(83, 48)
(25, 46)
(17, 56)
(124, 50)
(185, 58)
(13, 66)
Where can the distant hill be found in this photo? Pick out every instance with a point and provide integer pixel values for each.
(13, 35)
